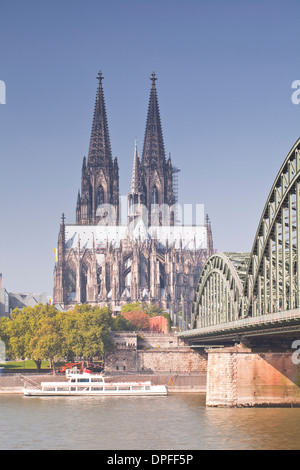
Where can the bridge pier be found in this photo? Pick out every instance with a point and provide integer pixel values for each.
(241, 377)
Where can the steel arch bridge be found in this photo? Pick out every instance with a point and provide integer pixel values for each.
(238, 287)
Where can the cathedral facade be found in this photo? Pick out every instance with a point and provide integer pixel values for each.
(150, 256)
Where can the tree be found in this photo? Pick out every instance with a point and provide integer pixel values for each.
(94, 328)
(48, 342)
(43, 332)
(120, 323)
(3, 337)
(3, 329)
(153, 310)
(132, 307)
(139, 314)
(138, 318)
(87, 331)
(30, 333)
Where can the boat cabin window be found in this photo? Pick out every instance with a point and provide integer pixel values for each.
(83, 380)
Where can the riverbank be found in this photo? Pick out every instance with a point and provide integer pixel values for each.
(12, 384)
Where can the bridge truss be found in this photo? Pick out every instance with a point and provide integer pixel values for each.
(235, 286)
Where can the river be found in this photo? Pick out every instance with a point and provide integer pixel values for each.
(176, 422)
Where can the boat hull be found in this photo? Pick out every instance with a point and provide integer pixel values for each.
(88, 384)
(156, 391)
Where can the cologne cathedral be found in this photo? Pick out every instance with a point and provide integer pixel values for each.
(148, 255)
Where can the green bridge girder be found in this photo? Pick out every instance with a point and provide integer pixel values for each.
(238, 286)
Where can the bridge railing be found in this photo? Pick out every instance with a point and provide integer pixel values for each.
(270, 318)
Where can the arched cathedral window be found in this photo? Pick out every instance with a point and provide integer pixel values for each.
(100, 196)
(154, 199)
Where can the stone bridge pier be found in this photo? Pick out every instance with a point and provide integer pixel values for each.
(241, 377)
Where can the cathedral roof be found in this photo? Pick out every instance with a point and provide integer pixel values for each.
(181, 237)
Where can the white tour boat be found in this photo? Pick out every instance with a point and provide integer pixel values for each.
(87, 383)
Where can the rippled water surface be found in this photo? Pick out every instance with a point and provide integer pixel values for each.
(142, 423)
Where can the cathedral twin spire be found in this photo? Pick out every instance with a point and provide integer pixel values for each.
(100, 149)
(153, 151)
(151, 177)
(81, 275)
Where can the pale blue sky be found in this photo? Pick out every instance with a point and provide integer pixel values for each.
(224, 68)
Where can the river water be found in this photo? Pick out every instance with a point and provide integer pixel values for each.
(176, 422)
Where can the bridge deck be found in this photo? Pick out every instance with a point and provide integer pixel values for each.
(273, 323)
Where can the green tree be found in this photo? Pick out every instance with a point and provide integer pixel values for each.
(87, 332)
(49, 340)
(132, 307)
(43, 332)
(120, 323)
(4, 321)
(30, 333)
(153, 310)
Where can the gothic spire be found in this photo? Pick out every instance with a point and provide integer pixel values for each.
(135, 181)
(62, 239)
(210, 246)
(100, 149)
(153, 151)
